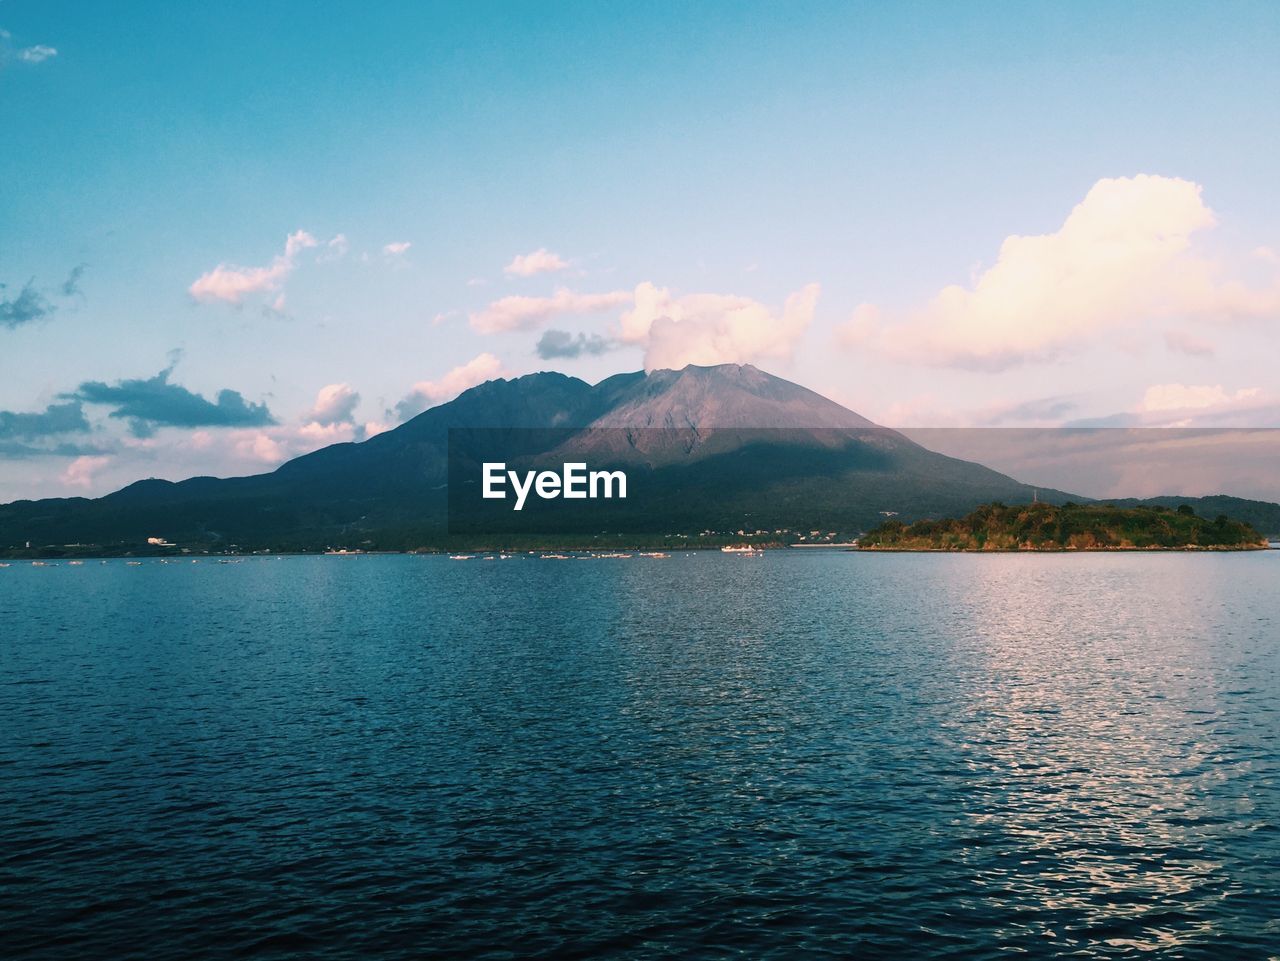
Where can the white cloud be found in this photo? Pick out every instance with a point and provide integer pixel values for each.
(335, 249)
(335, 404)
(37, 54)
(231, 284)
(428, 393)
(1121, 262)
(527, 313)
(540, 261)
(79, 472)
(711, 329)
(397, 248)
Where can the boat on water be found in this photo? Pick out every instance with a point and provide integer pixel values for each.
(740, 549)
(75, 563)
(555, 557)
(461, 557)
(654, 554)
(3, 565)
(39, 564)
(134, 563)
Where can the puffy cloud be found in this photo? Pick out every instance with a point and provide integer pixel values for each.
(560, 343)
(397, 248)
(428, 393)
(335, 404)
(231, 284)
(80, 472)
(540, 261)
(711, 329)
(30, 305)
(526, 313)
(1122, 261)
(154, 402)
(55, 419)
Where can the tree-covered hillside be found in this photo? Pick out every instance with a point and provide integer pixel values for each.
(1083, 527)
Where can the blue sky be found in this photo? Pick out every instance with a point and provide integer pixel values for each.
(791, 184)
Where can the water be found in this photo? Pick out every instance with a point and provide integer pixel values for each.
(809, 755)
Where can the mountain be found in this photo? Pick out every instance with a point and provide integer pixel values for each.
(721, 448)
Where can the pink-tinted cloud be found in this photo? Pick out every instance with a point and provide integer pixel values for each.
(528, 313)
(428, 393)
(1124, 261)
(231, 284)
(540, 261)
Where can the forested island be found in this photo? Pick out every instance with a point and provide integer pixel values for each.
(1069, 527)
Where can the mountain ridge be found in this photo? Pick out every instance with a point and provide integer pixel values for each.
(729, 445)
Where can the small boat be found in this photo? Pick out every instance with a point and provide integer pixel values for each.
(490, 557)
(461, 557)
(740, 549)
(653, 554)
(134, 563)
(555, 557)
(39, 564)
(3, 565)
(75, 563)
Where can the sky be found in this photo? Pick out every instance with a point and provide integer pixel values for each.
(233, 233)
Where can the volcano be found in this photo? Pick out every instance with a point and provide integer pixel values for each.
(720, 448)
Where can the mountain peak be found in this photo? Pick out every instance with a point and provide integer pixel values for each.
(724, 396)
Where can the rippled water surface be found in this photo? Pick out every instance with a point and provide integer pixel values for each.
(809, 755)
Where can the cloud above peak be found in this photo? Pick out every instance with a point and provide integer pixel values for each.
(556, 344)
(1123, 261)
(429, 393)
(231, 284)
(528, 313)
(335, 404)
(715, 328)
(540, 261)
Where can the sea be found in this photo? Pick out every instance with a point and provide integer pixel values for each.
(809, 754)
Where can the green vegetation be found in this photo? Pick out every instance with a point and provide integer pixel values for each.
(1070, 527)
